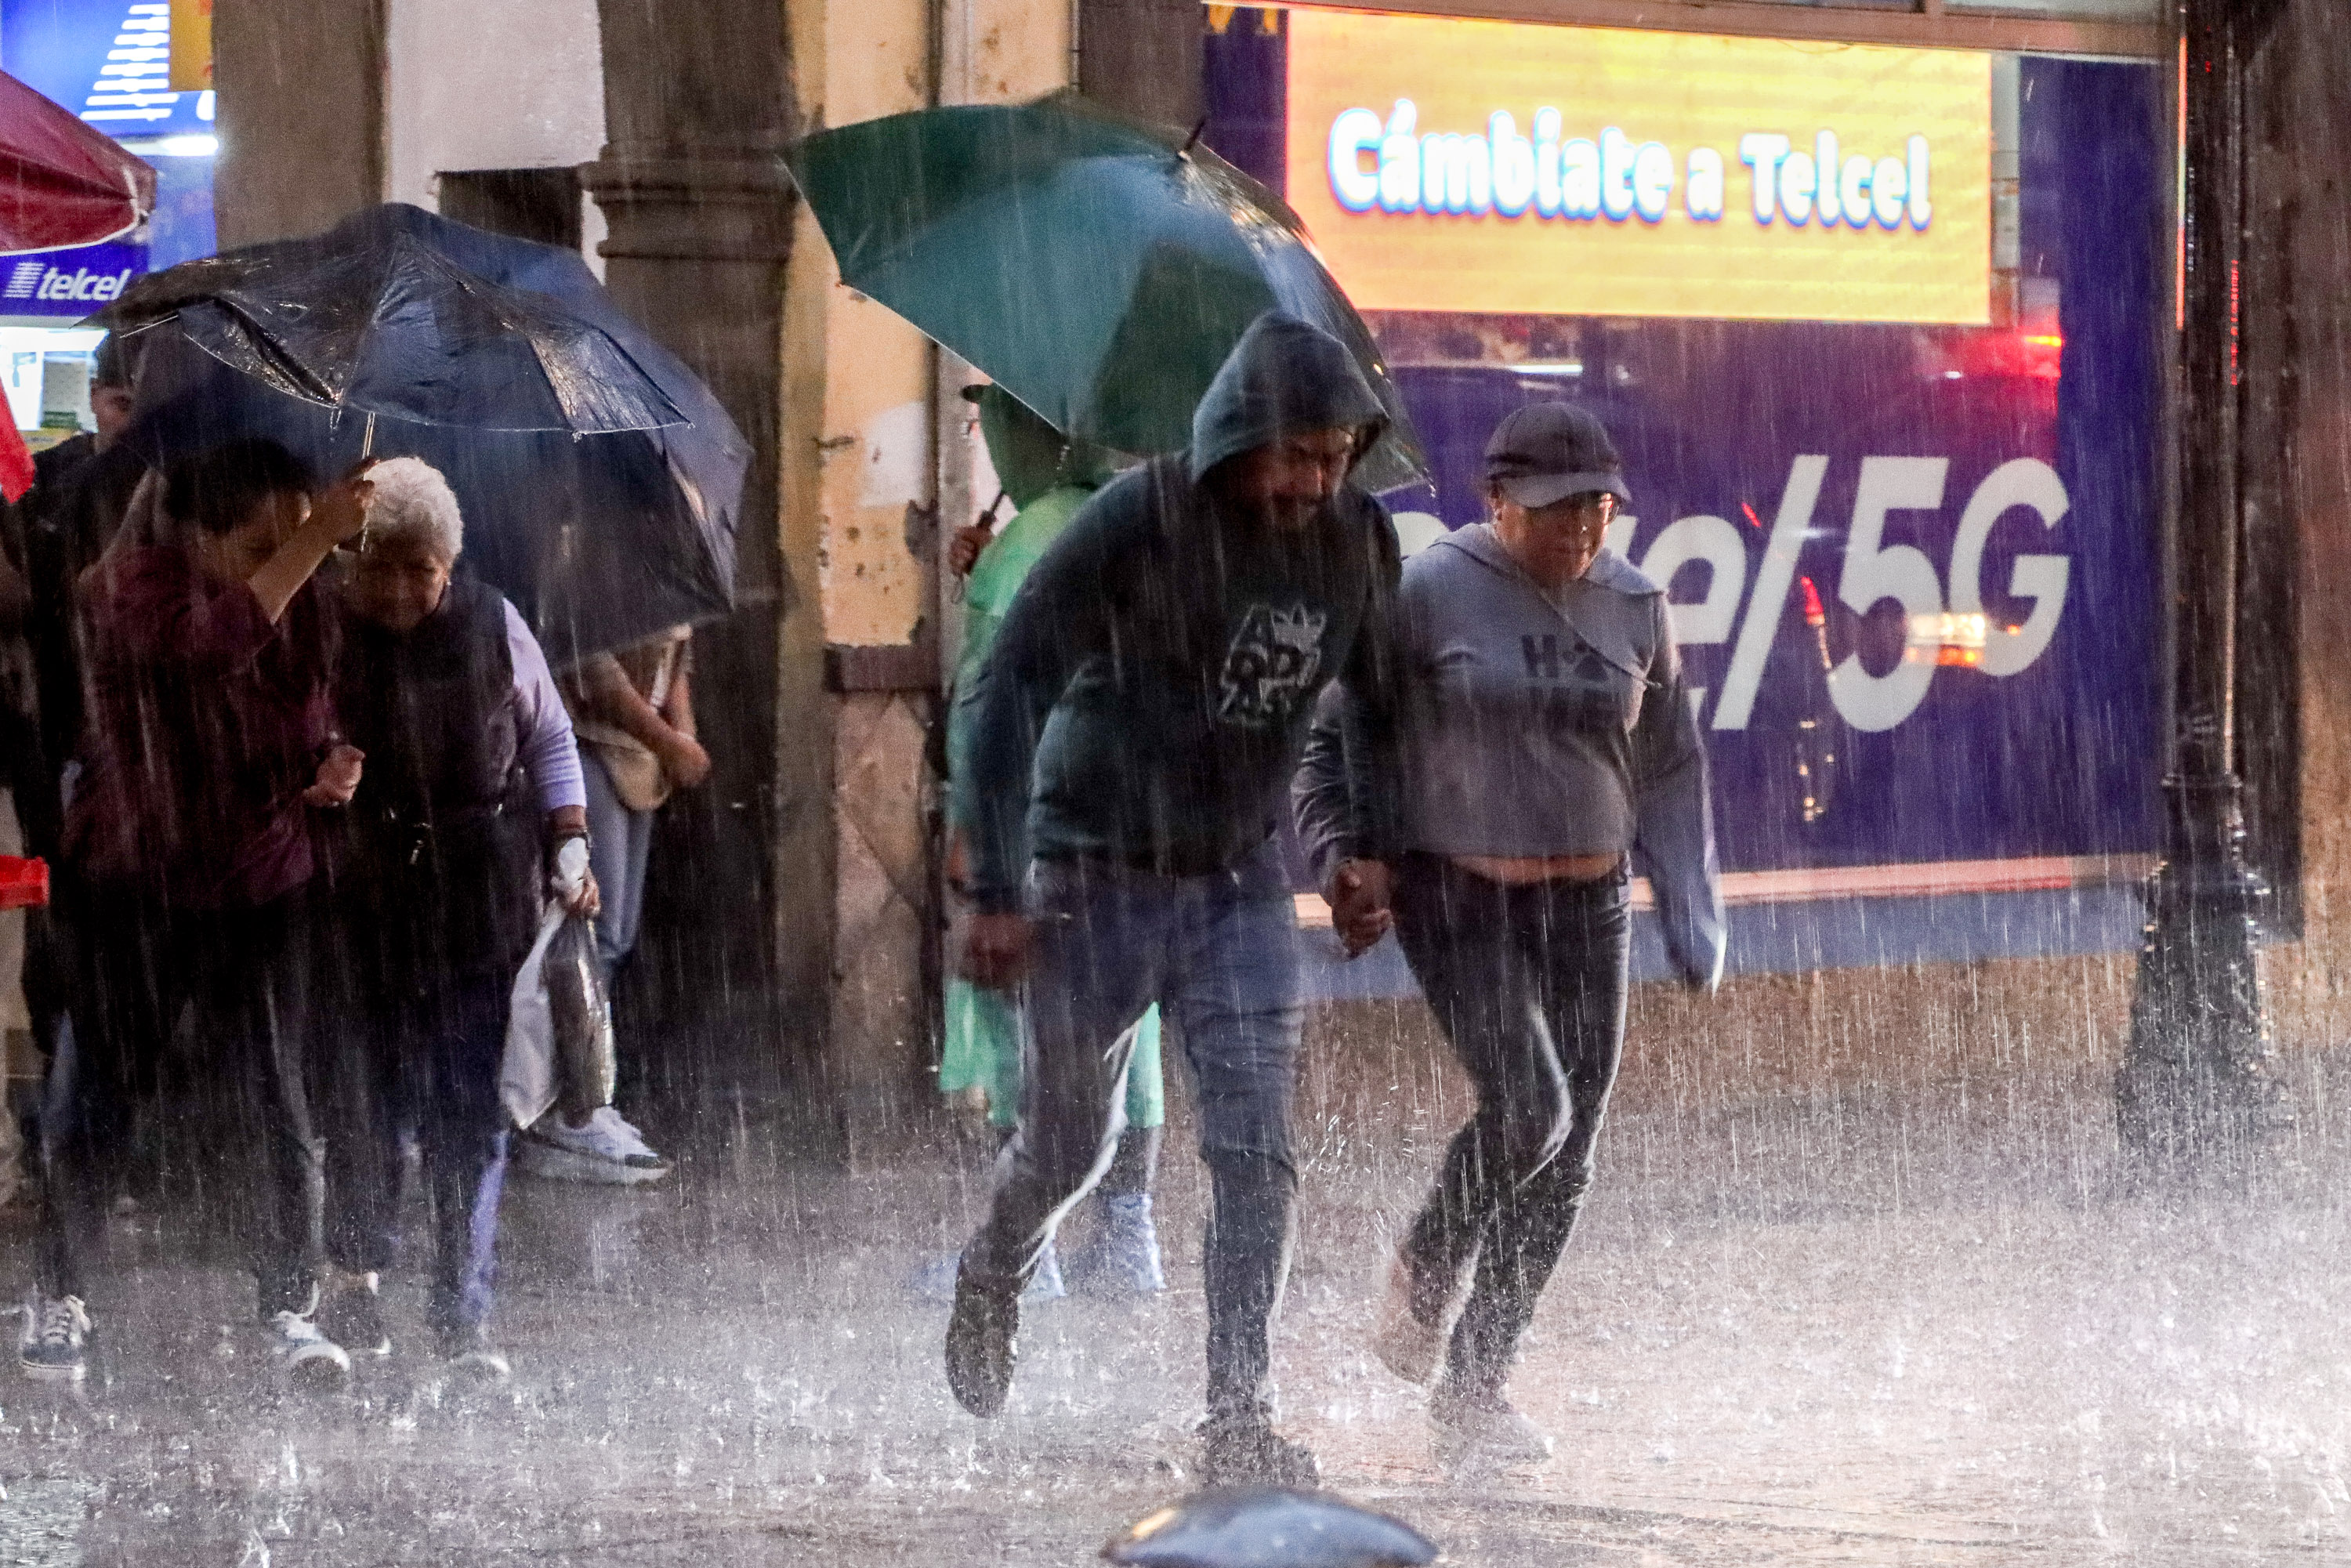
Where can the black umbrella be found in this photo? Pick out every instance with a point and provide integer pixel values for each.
(599, 479)
(1269, 1527)
(391, 326)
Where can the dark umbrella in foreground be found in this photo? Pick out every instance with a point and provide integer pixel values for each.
(1269, 1528)
(599, 479)
(1098, 269)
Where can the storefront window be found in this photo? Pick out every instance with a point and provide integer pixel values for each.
(1879, 332)
(108, 61)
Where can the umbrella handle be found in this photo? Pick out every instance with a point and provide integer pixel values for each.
(367, 450)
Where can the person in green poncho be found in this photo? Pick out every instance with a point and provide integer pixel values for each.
(1047, 477)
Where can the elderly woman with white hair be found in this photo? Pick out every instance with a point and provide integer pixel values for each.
(471, 786)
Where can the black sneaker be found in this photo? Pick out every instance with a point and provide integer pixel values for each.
(353, 1316)
(467, 1353)
(1246, 1452)
(983, 1337)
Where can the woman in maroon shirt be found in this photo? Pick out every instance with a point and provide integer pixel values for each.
(209, 738)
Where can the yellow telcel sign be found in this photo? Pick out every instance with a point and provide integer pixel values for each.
(1495, 166)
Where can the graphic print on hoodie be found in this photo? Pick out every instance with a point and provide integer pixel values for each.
(1272, 663)
(1148, 695)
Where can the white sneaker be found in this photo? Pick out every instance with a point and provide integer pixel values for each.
(51, 1346)
(309, 1358)
(608, 1149)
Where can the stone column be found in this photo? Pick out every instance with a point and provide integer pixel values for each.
(300, 87)
(698, 102)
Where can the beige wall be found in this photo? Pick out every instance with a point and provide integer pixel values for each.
(877, 446)
(867, 432)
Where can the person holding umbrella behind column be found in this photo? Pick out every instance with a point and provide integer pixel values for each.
(1047, 477)
(1543, 742)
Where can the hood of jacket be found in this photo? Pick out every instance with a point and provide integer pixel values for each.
(1611, 626)
(1284, 375)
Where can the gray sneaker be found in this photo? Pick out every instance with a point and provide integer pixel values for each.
(936, 1280)
(1483, 1431)
(52, 1345)
(607, 1150)
(1246, 1452)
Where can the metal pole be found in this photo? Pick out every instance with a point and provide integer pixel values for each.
(2199, 1075)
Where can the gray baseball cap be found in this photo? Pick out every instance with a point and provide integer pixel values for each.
(1546, 451)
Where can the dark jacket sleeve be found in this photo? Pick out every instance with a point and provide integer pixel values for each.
(1674, 830)
(1349, 785)
(1321, 795)
(1059, 618)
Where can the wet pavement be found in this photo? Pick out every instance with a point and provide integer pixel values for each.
(1827, 1329)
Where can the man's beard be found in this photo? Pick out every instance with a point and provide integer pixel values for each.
(1292, 517)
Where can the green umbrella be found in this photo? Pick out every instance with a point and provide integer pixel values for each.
(1093, 266)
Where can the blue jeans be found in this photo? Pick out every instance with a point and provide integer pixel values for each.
(1219, 955)
(618, 841)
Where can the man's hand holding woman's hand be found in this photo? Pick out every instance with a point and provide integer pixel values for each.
(338, 777)
(1360, 900)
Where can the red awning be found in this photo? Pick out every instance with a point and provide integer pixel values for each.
(63, 183)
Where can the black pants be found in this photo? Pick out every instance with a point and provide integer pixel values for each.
(1528, 983)
(236, 1125)
(426, 1061)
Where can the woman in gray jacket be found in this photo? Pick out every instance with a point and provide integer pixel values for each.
(1541, 740)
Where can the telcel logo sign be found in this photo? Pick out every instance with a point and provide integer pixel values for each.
(70, 282)
(1388, 166)
(40, 280)
(1447, 164)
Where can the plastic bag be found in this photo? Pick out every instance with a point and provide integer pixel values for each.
(582, 1020)
(527, 1077)
(559, 1028)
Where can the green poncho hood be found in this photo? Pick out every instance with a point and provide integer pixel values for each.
(1029, 456)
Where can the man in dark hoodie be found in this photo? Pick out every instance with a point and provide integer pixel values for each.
(1145, 705)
